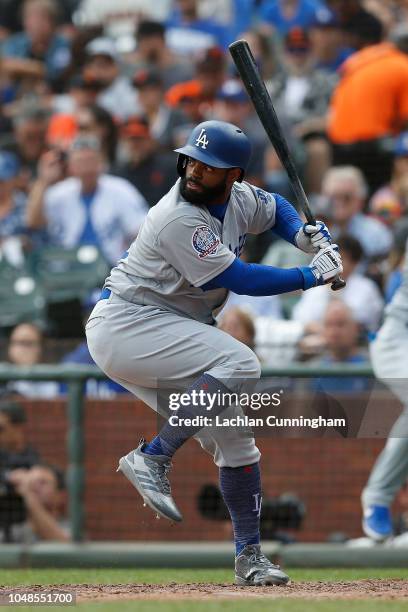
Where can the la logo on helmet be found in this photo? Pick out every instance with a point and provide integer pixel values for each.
(202, 141)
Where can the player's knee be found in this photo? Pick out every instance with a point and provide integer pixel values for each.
(248, 365)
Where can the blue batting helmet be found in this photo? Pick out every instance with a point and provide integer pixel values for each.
(218, 144)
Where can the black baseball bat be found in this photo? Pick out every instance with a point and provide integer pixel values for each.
(249, 73)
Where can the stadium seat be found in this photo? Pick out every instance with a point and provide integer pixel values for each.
(67, 274)
(21, 296)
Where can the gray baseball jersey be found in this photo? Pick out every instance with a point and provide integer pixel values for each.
(181, 246)
(398, 306)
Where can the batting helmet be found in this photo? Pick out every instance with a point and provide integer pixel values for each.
(218, 144)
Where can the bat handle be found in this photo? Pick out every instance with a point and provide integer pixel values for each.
(338, 283)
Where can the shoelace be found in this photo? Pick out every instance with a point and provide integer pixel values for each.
(258, 557)
(160, 471)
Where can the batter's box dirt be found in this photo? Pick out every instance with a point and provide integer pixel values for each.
(360, 589)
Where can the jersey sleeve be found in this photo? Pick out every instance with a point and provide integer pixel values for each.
(263, 210)
(193, 249)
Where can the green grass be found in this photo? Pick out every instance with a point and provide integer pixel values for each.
(26, 577)
(15, 577)
(260, 605)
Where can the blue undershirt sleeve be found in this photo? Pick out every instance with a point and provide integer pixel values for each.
(287, 219)
(255, 279)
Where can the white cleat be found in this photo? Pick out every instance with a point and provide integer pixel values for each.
(252, 568)
(148, 474)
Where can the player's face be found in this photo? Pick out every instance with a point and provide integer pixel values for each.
(205, 185)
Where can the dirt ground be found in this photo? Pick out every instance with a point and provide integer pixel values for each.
(360, 589)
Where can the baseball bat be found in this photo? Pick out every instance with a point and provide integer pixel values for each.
(249, 73)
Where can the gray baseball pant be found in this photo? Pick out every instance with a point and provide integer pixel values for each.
(389, 355)
(137, 346)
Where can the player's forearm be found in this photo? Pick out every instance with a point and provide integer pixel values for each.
(258, 280)
(34, 214)
(287, 220)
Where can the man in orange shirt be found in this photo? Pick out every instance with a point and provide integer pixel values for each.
(370, 105)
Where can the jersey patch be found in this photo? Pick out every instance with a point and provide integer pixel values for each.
(204, 241)
(263, 196)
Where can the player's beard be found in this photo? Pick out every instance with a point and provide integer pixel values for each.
(207, 195)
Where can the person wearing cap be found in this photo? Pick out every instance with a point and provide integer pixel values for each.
(390, 202)
(88, 207)
(30, 509)
(12, 201)
(302, 93)
(233, 105)
(284, 15)
(188, 34)
(151, 171)
(15, 452)
(102, 66)
(326, 39)
(162, 119)
(39, 45)
(370, 105)
(197, 96)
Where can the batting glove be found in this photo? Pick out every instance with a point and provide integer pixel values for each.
(325, 266)
(310, 238)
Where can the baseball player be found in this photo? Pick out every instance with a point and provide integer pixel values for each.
(155, 321)
(389, 359)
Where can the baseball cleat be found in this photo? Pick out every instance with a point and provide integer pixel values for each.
(377, 523)
(252, 568)
(148, 474)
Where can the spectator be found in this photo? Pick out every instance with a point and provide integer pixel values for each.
(15, 451)
(391, 201)
(196, 97)
(283, 15)
(99, 13)
(162, 119)
(28, 142)
(369, 104)
(154, 54)
(233, 105)
(363, 30)
(187, 34)
(80, 93)
(102, 65)
(341, 333)
(151, 171)
(96, 121)
(85, 119)
(40, 487)
(238, 324)
(89, 207)
(304, 93)
(265, 50)
(347, 191)
(358, 292)
(12, 201)
(25, 350)
(39, 46)
(326, 39)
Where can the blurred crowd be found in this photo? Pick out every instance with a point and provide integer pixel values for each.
(94, 97)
